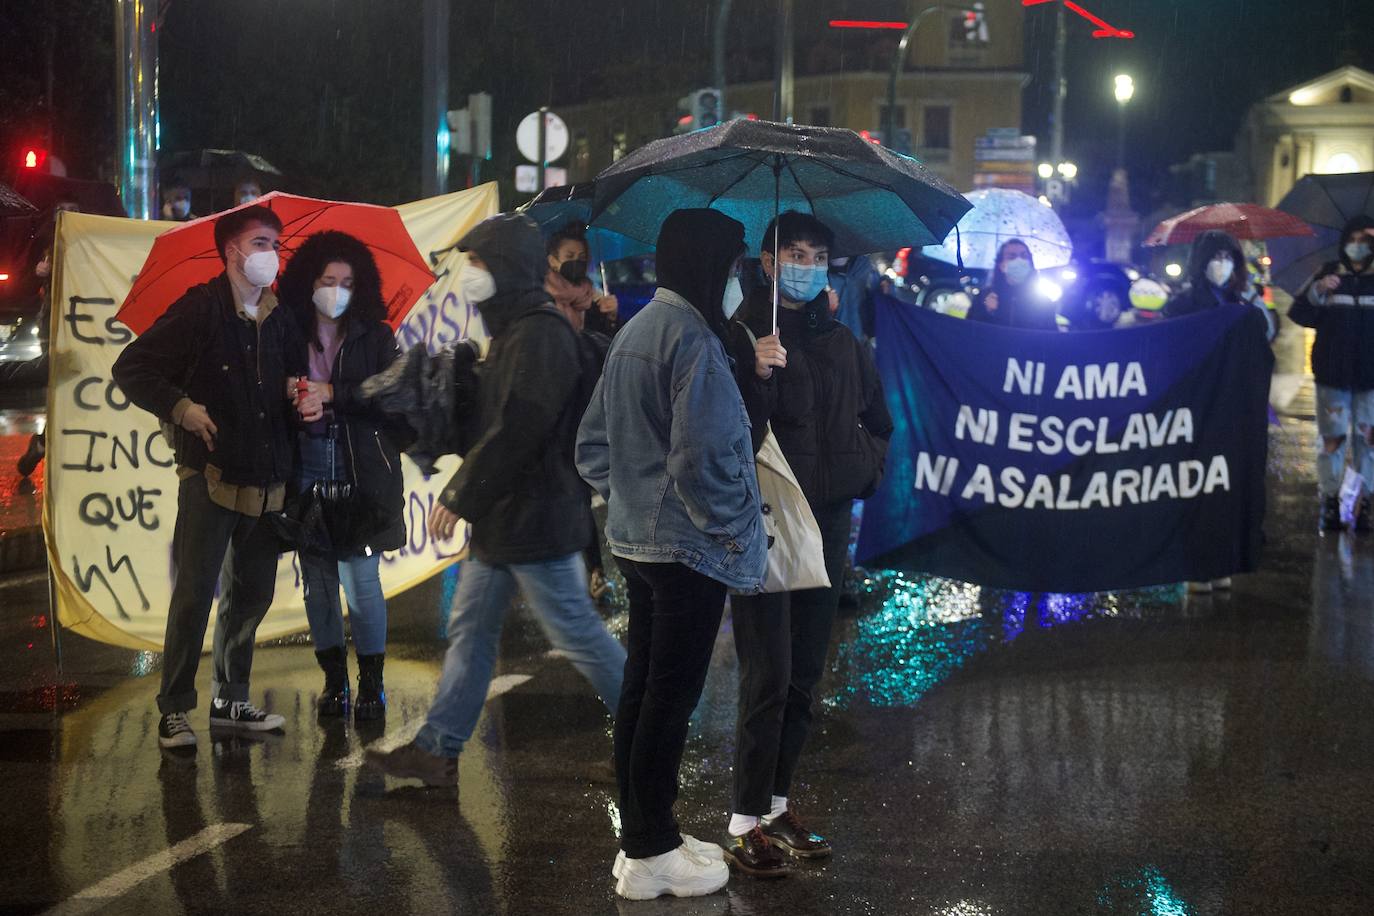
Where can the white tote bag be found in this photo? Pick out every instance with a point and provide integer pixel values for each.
(796, 556)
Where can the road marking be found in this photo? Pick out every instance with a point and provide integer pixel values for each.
(406, 733)
(99, 895)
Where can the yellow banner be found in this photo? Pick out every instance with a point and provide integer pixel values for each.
(111, 486)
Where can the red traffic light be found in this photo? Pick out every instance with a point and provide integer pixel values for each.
(35, 158)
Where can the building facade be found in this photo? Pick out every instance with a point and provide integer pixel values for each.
(964, 76)
(1323, 126)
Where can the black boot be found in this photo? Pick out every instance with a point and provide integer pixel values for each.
(371, 702)
(1331, 514)
(1363, 521)
(34, 454)
(333, 699)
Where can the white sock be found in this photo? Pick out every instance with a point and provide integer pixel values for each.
(740, 824)
(778, 810)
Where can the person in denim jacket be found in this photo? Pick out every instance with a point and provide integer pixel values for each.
(666, 442)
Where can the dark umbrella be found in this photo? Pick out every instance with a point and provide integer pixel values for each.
(47, 191)
(215, 170)
(558, 206)
(1326, 203)
(12, 204)
(872, 198)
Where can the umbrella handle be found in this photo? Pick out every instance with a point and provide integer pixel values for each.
(777, 234)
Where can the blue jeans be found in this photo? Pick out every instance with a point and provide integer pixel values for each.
(1346, 415)
(557, 592)
(321, 577)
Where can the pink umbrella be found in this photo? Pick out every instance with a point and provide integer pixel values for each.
(1241, 221)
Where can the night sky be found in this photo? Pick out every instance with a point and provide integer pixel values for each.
(328, 89)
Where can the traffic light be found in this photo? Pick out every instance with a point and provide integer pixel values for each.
(702, 109)
(35, 158)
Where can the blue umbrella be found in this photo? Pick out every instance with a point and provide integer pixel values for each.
(872, 198)
(1326, 203)
(558, 206)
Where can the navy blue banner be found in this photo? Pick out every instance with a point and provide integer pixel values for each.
(1071, 462)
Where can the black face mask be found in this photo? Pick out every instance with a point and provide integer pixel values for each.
(573, 271)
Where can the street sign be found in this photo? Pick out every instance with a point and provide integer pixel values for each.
(555, 137)
(527, 178)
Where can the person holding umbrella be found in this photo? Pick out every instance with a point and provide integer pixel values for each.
(213, 369)
(666, 443)
(1010, 297)
(1217, 275)
(332, 288)
(817, 386)
(1337, 302)
(572, 289)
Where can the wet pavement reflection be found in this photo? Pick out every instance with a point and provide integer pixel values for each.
(976, 753)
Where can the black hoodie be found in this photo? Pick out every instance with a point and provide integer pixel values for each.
(518, 487)
(695, 251)
(1343, 353)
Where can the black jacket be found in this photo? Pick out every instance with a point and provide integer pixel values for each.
(1017, 307)
(826, 407)
(1343, 353)
(370, 440)
(201, 349)
(518, 486)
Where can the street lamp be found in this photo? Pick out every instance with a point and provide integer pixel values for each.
(1124, 88)
(1045, 170)
(1068, 170)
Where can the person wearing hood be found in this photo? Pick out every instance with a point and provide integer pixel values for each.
(1338, 302)
(1010, 297)
(815, 384)
(572, 290)
(666, 443)
(1217, 276)
(518, 489)
(333, 290)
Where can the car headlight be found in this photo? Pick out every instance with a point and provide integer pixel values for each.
(1049, 289)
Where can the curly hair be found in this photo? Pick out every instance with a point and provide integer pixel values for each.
(571, 232)
(296, 288)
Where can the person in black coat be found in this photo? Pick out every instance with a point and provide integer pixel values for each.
(1339, 303)
(213, 369)
(1217, 275)
(815, 384)
(519, 489)
(332, 289)
(1010, 297)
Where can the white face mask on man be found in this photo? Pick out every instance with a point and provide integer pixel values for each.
(260, 267)
(478, 285)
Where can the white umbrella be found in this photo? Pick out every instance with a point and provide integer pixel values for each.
(1000, 214)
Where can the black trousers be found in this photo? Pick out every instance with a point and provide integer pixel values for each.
(674, 617)
(212, 544)
(782, 641)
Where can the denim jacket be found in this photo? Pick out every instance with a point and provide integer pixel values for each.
(665, 441)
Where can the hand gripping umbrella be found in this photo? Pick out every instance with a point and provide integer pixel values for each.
(186, 255)
(1326, 203)
(872, 198)
(1240, 221)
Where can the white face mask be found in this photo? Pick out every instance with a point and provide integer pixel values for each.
(478, 285)
(734, 295)
(1219, 270)
(260, 268)
(1017, 270)
(332, 301)
(1357, 252)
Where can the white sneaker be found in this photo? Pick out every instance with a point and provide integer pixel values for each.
(243, 715)
(700, 848)
(1222, 584)
(680, 873)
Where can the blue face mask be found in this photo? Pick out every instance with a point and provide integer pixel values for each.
(802, 282)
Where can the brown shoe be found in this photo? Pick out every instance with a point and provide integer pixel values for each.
(754, 855)
(411, 761)
(787, 831)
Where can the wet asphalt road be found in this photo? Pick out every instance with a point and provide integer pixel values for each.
(976, 755)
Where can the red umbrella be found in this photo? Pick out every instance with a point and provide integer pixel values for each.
(1242, 221)
(185, 256)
